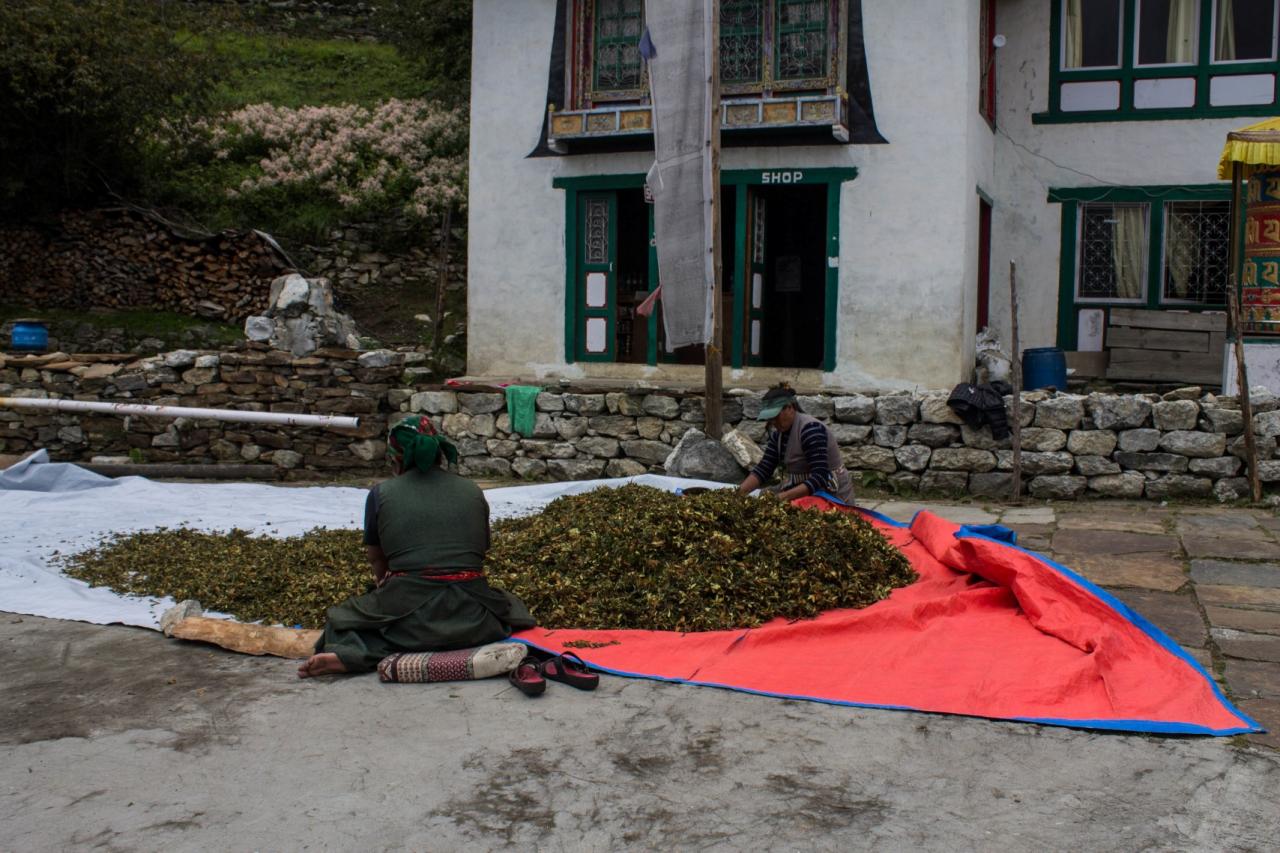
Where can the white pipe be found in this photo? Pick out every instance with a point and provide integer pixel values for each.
(282, 418)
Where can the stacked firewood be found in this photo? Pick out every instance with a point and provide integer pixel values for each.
(123, 259)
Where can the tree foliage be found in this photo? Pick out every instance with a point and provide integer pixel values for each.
(437, 35)
(80, 82)
(406, 158)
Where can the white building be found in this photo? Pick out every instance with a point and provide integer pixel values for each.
(882, 164)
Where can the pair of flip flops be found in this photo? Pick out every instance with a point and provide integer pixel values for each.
(530, 676)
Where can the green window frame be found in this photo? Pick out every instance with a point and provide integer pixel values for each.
(1157, 201)
(802, 46)
(616, 66)
(736, 271)
(1151, 92)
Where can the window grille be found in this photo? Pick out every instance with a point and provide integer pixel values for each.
(802, 39)
(1196, 245)
(1112, 251)
(766, 46)
(741, 41)
(618, 27)
(597, 232)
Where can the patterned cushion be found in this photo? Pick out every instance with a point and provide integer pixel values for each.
(457, 665)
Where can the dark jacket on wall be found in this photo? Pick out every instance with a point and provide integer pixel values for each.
(982, 404)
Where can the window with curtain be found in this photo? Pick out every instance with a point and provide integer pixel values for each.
(1196, 251)
(1163, 59)
(1112, 252)
(1167, 31)
(1091, 33)
(1244, 30)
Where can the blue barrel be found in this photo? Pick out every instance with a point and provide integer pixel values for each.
(29, 335)
(1044, 367)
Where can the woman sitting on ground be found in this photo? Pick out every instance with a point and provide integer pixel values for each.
(806, 448)
(426, 531)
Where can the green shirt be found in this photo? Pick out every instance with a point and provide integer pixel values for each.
(428, 520)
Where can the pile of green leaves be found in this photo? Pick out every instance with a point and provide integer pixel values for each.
(637, 557)
(631, 557)
(254, 578)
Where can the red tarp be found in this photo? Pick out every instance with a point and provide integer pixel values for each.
(988, 630)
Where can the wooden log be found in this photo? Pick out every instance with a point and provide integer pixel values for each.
(184, 471)
(1204, 321)
(292, 643)
(1016, 440)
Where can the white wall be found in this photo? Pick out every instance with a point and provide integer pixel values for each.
(515, 253)
(908, 230)
(909, 222)
(1031, 158)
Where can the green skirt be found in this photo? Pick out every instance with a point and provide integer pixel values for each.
(413, 614)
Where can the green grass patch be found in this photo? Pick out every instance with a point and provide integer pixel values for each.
(136, 323)
(293, 72)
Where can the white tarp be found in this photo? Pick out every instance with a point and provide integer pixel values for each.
(52, 509)
(681, 177)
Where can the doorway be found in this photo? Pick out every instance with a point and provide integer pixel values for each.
(786, 263)
(984, 264)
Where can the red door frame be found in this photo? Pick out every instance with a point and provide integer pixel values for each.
(984, 262)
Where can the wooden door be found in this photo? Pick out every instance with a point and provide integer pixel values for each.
(597, 284)
(757, 278)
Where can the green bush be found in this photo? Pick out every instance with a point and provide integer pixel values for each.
(437, 35)
(80, 82)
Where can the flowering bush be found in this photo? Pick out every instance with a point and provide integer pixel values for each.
(406, 154)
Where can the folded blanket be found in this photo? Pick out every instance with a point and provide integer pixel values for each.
(457, 665)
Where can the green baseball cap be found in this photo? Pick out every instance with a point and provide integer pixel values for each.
(769, 409)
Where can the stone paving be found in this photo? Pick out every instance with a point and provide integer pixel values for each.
(1208, 576)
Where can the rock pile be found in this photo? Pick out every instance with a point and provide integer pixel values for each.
(300, 318)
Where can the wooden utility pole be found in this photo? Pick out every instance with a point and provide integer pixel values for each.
(1016, 366)
(1242, 391)
(1235, 325)
(714, 383)
(442, 279)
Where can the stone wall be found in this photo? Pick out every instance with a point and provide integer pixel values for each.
(1182, 444)
(354, 258)
(368, 385)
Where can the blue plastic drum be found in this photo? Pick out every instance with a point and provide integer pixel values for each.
(1044, 367)
(29, 336)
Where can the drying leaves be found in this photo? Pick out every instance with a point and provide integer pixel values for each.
(638, 557)
(630, 557)
(254, 578)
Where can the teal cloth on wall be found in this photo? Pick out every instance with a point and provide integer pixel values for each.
(520, 407)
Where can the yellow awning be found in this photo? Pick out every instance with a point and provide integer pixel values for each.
(1255, 145)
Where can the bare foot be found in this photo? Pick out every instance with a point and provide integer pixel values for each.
(326, 663)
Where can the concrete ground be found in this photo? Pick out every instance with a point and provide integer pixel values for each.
(117, 738)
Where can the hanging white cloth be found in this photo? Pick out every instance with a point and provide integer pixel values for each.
(681, 180)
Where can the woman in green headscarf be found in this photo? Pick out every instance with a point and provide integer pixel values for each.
(426, 531)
